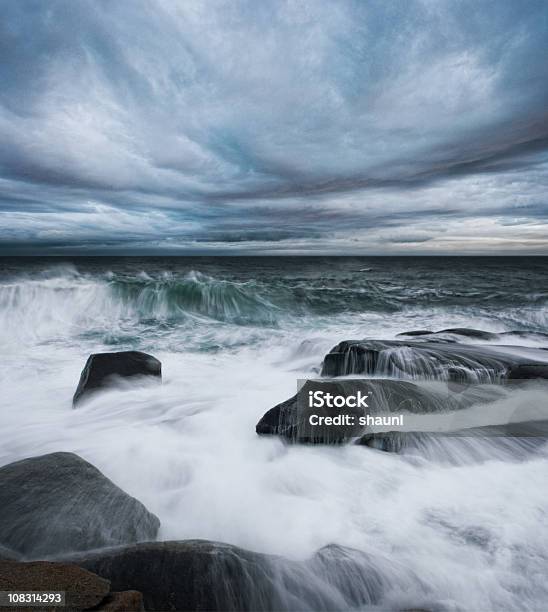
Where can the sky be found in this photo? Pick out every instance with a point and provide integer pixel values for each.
(372, 127)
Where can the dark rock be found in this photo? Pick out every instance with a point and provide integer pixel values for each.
(61, 503)
(189, 575)
(468, 332)
(82, 589)
(352, 357)
(101, 370)
(387, 441)
(122, 601)
(399, 441)
(417, 332)
(290, 419)
(527, 371)
(202, 575)
(421, 360)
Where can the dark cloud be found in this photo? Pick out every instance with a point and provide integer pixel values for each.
(301, 126)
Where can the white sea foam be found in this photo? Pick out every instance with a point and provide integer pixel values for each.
(471, 531)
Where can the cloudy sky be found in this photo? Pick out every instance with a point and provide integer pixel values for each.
(275, 127)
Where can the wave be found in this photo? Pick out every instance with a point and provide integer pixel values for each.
(60, 301)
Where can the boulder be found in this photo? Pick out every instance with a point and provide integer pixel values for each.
(527, 371)
(102, 370)
(204, 575)
(188, 575)
(290, 419)
(83, 589)
(59, 503)
(419, 359)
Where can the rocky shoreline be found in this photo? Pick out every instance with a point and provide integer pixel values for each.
(65, 526)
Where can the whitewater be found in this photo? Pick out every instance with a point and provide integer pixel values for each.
(460, 527)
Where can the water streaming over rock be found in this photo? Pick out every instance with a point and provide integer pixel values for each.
(453, 524)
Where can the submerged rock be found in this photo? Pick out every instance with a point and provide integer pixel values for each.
(101, 370)
(205, 575)
(527, 371)
(400, 441)
(59, 503)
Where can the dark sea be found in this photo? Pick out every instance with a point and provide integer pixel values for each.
(233, 336)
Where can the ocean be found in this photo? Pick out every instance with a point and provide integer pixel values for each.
(465, 528)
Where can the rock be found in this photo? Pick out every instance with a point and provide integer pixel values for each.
(82, 588)
(468, 332)
(59, 503)
(399, 441)
(122, 601)
(203, 575)
(387, 441)
(417, 332)
(351, 357)
(101, 370)
(465, 332)
(188, 575)
(290, 419)
(527, 371)
(423, 360)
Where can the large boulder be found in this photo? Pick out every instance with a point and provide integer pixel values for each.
(59, 503)
(290, 419)
(204, 575)
(103, 369)
(431, 359)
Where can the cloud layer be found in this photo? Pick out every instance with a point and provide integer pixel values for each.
(274, 127)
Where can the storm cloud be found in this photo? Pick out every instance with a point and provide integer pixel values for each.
(274, 127)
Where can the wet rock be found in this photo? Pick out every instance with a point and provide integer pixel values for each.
(83, 589)
(417, 332)
(527, 371)
(422, 360)
(203, 575)
(290, 419)
(59, 503)
(102, 370)
(188, 575)
(467, 332)
(400, 441)
(351, 357)
(387, 441)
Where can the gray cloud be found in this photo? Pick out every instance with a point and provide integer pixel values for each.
(310, 126)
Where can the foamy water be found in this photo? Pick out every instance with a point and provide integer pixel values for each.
(446, 529)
